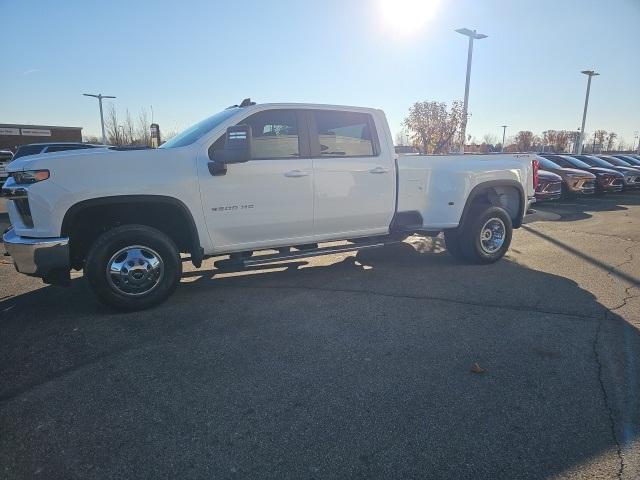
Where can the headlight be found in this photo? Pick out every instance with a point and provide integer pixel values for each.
(30, 176)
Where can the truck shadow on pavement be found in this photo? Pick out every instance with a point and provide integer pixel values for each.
(360, 368)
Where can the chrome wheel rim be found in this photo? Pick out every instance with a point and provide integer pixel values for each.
(134, 270)
(492, 235)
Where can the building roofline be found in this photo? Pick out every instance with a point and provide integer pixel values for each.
(20, 125)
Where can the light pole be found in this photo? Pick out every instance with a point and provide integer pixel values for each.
(504, 132)
(473, 35)
(100, 97)
(589, 73)
(638, 139)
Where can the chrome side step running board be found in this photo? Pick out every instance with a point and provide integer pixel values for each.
(294, 255)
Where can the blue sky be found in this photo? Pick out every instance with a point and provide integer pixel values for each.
(191, 59)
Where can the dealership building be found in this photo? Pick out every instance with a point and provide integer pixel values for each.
(12, 135)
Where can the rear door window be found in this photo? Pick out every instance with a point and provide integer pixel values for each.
(343, 134)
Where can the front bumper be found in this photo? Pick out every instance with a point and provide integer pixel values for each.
(549, 191)
(631, 182)
(38, 257)
(588, 188)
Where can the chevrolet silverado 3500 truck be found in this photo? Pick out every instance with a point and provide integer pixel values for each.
(282, 177)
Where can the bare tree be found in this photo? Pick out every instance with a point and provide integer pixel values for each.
(433, 126)
(524, 140)
(558, 140)
(599, 137)
(143, 132)
(489, 139)
(112, 125)
(611, 139)
(129, 131)
(623, 146)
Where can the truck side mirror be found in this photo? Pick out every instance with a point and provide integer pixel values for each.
(237, 146)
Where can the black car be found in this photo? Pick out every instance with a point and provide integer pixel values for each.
(631, 175)
(607, 179)
(35, 148)
(632, 160)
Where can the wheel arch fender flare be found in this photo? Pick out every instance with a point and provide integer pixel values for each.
(481, 188)
(196, 250)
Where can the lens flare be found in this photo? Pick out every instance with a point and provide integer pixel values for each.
(406, 17)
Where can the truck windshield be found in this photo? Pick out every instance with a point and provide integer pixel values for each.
(196, 131)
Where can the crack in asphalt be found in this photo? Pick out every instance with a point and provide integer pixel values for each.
(605, 395)
(627, 296)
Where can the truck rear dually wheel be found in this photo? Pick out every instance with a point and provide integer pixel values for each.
(483, 238)
(133, 267)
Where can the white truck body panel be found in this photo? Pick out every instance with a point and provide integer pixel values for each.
(437, 186)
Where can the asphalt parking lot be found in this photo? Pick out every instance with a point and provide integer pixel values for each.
(348, 366)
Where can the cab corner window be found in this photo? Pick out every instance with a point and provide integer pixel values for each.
(344, 134)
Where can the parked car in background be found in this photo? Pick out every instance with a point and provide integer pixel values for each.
(5, 157)
(631, 175)
(574, 181)
(549, 186)
(35, 148)
(607, 179)
(406, 149)
(630, 159)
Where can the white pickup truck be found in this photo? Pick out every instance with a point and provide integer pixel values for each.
(281, 177)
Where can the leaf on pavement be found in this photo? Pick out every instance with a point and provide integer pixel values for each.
(477, 368)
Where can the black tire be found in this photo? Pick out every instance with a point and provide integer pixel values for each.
(110, 289)
(470, 234)
(452, 242)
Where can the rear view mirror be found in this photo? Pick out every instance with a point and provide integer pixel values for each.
(237, 146)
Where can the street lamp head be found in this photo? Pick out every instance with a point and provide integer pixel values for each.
(97, 96)
(471, 33)
(591, 73)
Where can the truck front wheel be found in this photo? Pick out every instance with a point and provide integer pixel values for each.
(133, 267)
(484, 237)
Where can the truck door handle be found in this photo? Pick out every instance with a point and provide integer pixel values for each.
(296, 174)
(379, 170)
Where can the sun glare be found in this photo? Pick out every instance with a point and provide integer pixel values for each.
(405, 17)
